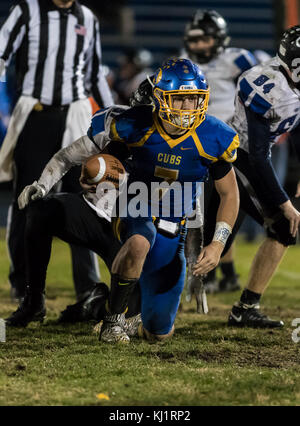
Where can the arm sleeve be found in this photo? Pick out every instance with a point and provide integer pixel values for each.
(219, 169)
(12, 31)
(63, 160)
(99, 86)
(243, 62)
(260, 157)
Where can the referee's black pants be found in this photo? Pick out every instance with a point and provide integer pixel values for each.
(40, 139)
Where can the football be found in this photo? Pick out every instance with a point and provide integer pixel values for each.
(104, 168)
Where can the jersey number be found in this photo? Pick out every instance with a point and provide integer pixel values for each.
(261, 80)
(169, 176)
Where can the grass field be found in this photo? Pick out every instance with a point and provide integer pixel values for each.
(206, 363)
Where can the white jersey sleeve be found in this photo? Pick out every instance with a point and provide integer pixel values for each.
(95, 141)
(66, 158)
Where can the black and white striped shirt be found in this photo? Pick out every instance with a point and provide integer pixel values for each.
(58, 52)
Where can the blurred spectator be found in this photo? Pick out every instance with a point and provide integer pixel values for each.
(134, 66)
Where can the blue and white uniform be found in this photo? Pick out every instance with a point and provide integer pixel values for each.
(267, 106)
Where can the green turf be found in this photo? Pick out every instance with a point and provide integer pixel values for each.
(206, 363)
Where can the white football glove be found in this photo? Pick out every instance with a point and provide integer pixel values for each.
(30, 193)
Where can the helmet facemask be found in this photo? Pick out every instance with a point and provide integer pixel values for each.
(205, 54)
(171, 107)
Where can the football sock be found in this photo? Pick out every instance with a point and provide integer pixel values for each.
(134, 303)
(120, 292)
(249, 297)
(228, 269)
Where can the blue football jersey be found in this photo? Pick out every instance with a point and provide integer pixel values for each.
(155, 156)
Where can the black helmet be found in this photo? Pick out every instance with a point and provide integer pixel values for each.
(206, 23)
(289, 52)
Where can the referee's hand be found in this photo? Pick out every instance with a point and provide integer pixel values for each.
(30, 193)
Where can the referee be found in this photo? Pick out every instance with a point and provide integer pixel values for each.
(58, 67)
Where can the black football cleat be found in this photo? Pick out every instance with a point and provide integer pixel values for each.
(228, 284)
(243, 315)
(92, 307)
(32, 308)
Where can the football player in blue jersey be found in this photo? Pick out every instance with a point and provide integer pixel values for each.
(177, 143)
(266, 106)
(206, 42)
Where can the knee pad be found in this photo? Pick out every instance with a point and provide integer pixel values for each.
(280, 231)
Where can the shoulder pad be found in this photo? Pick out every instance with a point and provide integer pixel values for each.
(221, 140)
(260, 88)
(131, 123)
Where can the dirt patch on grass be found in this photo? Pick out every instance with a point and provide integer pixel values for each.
(248, 357)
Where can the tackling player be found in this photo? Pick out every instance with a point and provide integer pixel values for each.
(176, 142)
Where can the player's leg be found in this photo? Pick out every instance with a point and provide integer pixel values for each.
(138, 235)
(68, 217)
(246, 312)
(85, 269)
(229, 282)
(162, 282)
(33, 150)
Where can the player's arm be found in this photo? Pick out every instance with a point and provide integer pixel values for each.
(56, 168)
(260, 159)
(227, 213)
(97, 138)
(295, 139)
(242, 61)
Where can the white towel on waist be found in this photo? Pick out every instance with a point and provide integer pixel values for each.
(78, 121)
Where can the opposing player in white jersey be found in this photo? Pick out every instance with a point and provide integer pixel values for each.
(205, 41)
(267, 105)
